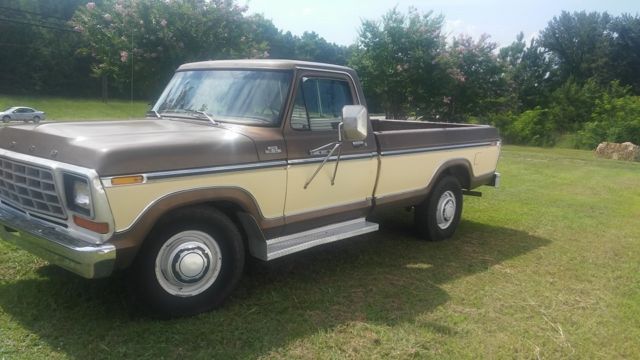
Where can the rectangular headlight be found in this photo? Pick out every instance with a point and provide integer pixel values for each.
(78, 194)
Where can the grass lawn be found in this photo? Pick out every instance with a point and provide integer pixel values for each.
(78, 109)
(548, 266)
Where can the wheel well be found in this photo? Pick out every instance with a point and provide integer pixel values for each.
(228, 208)
(461, 173)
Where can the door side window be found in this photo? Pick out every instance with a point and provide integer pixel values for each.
(318, 104)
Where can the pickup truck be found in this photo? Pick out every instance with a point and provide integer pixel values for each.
(237, 158)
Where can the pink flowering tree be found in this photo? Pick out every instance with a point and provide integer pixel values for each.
(399, 61)
(477, 84)
(136, 45)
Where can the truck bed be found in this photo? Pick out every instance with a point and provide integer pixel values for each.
(398, 136)
(413, 154)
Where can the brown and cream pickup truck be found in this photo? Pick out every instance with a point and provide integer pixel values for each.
(260, 158)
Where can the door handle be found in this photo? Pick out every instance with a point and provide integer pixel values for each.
(319, 152)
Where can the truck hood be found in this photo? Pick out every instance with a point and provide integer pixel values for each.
(128, 147)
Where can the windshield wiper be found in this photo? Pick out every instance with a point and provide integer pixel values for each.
(213, 122)
(154, 113)
(189, 114)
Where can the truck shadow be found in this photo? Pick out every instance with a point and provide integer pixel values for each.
(388, 277)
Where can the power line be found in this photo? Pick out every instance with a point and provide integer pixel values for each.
(19, 45)
(52, 27)
(20, 11)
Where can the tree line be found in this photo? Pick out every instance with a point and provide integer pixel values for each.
(576, 83)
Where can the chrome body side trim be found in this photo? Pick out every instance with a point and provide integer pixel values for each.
(210, 170)
(230, 168)
(332, 158)
(56, 245)
(433, 148)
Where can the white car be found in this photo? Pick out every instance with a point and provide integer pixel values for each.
(23, 113)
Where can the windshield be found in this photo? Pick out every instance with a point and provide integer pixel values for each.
(254, 97)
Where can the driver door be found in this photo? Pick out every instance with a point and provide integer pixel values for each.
(313, 122)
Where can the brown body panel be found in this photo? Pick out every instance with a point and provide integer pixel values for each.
(108, 146)
(405, 135)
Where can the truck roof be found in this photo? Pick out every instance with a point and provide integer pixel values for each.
(261, 64)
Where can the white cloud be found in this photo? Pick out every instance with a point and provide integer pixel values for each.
(457, 26)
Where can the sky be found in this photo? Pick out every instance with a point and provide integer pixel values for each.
(338, 21)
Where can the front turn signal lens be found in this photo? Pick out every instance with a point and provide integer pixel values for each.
(97, 227)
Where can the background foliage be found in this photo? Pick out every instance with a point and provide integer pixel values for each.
(576, 83)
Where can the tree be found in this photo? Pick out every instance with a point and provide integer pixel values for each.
(478, 86)
(625, 50)
(311, 47)
(132, 42)
(38, 46)
(399, 62)
(577, 43)
(529, 73)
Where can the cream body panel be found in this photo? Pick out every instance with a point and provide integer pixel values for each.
(267, 186)
(355, 181)
(403, 173)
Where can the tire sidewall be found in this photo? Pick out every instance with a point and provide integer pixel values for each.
(426, 212)
(164, 304)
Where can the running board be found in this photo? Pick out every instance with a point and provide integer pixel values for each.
(290, 244)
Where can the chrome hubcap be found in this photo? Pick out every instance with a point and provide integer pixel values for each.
(446, 210)
(188, 263)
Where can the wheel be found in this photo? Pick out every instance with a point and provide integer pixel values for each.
(188, 265)
(36, 119)
(438, 216)
(6, 119)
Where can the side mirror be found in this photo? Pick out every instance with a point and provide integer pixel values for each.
(354, 122)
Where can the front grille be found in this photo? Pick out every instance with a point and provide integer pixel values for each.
(30, 187)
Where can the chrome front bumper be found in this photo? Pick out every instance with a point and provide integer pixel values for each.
(85, 259)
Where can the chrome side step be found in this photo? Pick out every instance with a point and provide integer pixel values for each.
(290, 244)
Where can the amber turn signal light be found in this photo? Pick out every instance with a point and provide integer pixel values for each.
(97, 227)
(127, 180)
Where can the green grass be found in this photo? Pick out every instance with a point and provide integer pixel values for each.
(547, 266)
(78, 109)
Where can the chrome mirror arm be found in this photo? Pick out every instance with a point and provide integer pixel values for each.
(316, 150)
(335, 169)
(336, 146)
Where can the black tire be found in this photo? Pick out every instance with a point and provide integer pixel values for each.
(434, 219)
(36, 119)
(152, 288)
(6, 119)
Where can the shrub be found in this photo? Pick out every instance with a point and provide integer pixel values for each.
(533, 127)
(614, 120)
